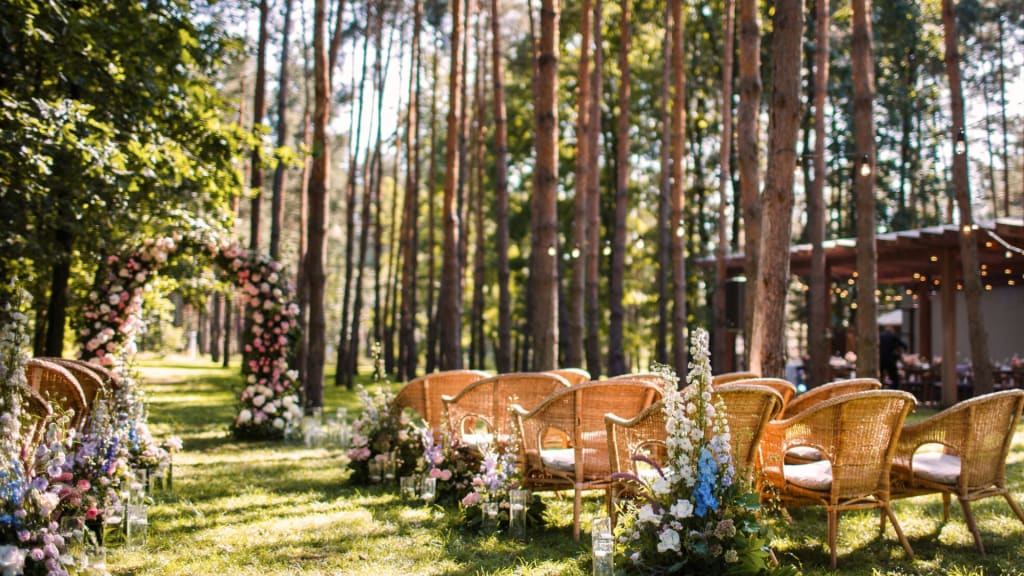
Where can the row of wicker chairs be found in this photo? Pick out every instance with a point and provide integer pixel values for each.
(844, 446)
(58, 386)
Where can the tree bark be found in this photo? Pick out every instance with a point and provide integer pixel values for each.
(479, 269)
(980, 360)
(280, 172)
(544, 277)
(503, 350)
(450, 302)
(767, 347)
(616, 355)
(259, 110)
(863, 190)
(665, 196)
(593, 304)
(318, 207)
(721, 330)
(215, 334)
(431, 358)
(679, 355)
(748, 143)
(579, 252)
(408, 355)
(56, 313)
(817, 327)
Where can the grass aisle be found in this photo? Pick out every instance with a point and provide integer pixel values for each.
(245, 508)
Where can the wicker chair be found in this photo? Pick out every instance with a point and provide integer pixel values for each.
(36, 413)
(857, 434)
(481, 410)
(748, 409)
(573, 376)
(975, 436)
(111, 379)
(93, 385)
(58, 387)
(649, 377)
(578, 413)
(817, 395)
(726, 377)
(785, 388)
(424, 394)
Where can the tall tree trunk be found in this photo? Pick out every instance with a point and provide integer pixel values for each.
(616, 355)
(56, 313)
(371, 197)
(432, 222)
(1002, 108)
(259, 110)
(678, 255)
(277, 199)
(216, 316)
(462, 199)
(318, 206)
(479, 348)
(980, 360)
(544, 276)
(724, 180)
(341, 361)
(864, 190)
(390, 310)
(580, 252)
(450, 301)
(748, 143)
(410, 232)
(665, 195)
(818, 333)
(503, 351)
(593, 320)
(767, 348)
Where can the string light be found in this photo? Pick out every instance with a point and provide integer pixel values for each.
(960, 148)
(865, 166)
(576, 252)
(551, 251)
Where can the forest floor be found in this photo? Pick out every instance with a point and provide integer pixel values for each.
(245, 508)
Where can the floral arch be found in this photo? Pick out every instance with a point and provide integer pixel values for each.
(112, 318)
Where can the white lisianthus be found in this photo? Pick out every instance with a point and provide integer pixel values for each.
(661, 486)
(668, 540)
(647, 514)
(244, 416)
(682, 509)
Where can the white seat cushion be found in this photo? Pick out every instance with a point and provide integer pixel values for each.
(478, 439)
(561, 459)
(937, 467)
(805, 454)
(814, 476)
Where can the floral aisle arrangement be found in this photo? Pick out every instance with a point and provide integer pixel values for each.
(29, 538)
(112, 318)
(696, 517)
(497, 476)
(454, 465)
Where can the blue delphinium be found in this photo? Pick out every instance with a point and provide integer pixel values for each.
(707, 477)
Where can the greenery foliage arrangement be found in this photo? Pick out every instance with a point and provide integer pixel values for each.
(695, 516)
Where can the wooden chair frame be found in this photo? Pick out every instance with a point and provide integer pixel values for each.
(424, 394)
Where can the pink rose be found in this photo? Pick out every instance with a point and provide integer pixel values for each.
(83, 485)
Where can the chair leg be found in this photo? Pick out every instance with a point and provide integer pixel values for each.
(881, 521)
(576, 504)
(887, 511)
(833, 529)
(945, 507)
(969, 516)
(1013, 505)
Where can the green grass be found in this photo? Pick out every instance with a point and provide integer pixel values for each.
(240, 508)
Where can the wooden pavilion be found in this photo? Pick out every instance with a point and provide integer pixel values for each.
(924, 262)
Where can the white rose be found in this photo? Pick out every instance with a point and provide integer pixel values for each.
(647, 514)
(279, 423)
(682, 509)
(259, 400)
(668, 540)
(661, 486)
(244, 416)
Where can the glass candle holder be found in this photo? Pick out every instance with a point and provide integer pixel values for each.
(408, 486)
(374, 468)
(602, 546)
(518, 504)
(489, 521)
(428, 489)
(113, 525)
(137, 525)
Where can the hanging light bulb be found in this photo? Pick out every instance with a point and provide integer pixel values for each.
(865, 166)
(960, 148)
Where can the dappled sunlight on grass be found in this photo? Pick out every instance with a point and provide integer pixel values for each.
(272, 508)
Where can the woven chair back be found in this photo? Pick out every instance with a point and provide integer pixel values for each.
(727, 377)
(748, 409)
(423, 395)
(486, 402)
(58, 387)
(817, 395)
(573, 376)
(785, 388)
(91, 382)
(984, 427)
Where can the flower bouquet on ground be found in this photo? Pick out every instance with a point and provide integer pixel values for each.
(453, 463)
(492, 485)
(695, 516)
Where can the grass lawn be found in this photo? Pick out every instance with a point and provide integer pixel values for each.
(243, 508)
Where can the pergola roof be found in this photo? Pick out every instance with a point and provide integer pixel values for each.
(915, 257)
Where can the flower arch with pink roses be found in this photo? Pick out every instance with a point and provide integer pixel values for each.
(112, 318)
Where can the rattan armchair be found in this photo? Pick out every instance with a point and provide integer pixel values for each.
(480, 411)
(817, 395)
(58, 387)
(111, 379)
(92, 384)
(36, 414)
(573, 376)
(423, 395)
(975, 436)
(857, 435)
(748, 409)
(726, 377)
(577, 413)
(634, 445)
(785, 388)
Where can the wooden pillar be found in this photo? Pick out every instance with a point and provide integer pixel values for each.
(948, 291)
(924, 326)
